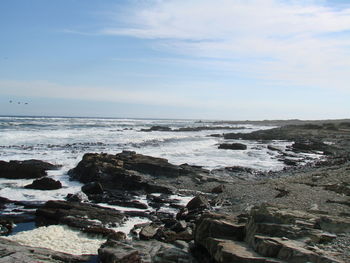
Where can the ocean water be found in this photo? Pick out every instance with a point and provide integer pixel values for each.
(64, 141)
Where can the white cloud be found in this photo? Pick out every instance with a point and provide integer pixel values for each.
(305, 43)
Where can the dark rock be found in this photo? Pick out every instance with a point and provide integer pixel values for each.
(44, 184)
(121, 171)
(11, 251)
(24, 169)
(92, 188)
(157, 128)
(84, 216)
(179, 226)
(233, 146)
(282, 192)
(198, 202)
(6, 227)
(218, 189)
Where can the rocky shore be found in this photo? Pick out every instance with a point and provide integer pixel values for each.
(186, 213)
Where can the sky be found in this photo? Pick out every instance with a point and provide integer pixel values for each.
(186, 59)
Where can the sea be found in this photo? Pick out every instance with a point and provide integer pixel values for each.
(63, 141)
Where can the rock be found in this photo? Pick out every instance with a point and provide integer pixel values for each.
(218, 189)
(340, 188)
(11, 251)
(78, 197)
(28, 169)
(271, 234)
(179, 226)
(233, 146)
(309, 146)
(122, 171)
(148, 164)
(157, 128)
(142, 251)
(44, 184)
(148, 232)
(212, 225)
(92, 188)
(198, 202)
(86, 217)
(6, 227)
(282, 192)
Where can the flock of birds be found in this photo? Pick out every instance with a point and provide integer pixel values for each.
(19, 102)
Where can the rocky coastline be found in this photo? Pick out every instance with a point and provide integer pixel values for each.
(233, 214)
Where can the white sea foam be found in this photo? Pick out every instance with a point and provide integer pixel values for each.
(59, 238)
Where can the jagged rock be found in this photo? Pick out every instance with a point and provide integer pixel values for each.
(87, 217)
(45, 184)
(92, 188)
(233, 146)
(28, 169)
(198, 202)
(218, 189)
(212, 225)
(11, 252)
(122, 171)
(271, 234)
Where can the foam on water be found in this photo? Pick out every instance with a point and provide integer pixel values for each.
(59, 238)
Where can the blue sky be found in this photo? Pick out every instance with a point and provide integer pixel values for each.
(223, 59)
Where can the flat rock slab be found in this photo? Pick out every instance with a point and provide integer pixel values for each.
(87, 217)
(12, 252)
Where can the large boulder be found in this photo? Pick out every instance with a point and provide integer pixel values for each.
(28, 169)
(45, 184)
(120, 172)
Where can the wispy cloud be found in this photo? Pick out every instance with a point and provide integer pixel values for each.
(306, 44)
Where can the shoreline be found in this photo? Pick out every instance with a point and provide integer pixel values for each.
(318, 187)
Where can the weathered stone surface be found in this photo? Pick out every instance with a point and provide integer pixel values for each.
(233, 146)
(123, 171)
(198, 202)
(24, 169)
(45, 184)
(212, 225)
(148, 231)
(142, 251)
(12, 252)
(271, 234)
(86, 217)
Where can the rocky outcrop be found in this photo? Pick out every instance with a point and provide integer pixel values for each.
(269, 234)
(123, 171)
(233, 146)
(11, 251)
(114, 251)
(28, 169)
(45, 184)
(86, 217)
